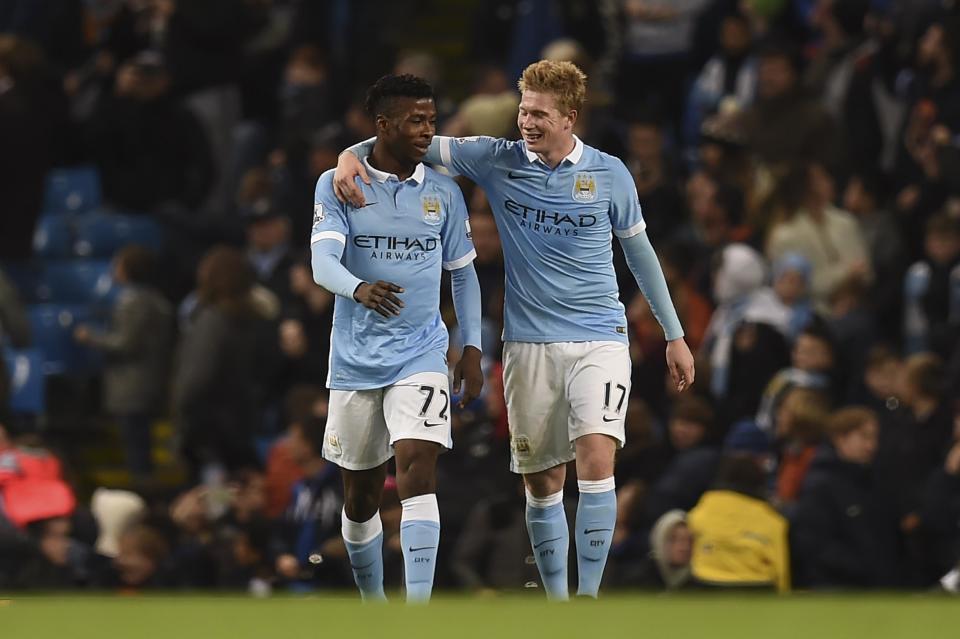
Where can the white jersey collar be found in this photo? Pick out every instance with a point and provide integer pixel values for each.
(573, 157)
(382, 176)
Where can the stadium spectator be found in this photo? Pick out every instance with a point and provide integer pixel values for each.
(694, 464)
(791, 283)
(863, 198)
(798, 431)
(268, 232)
(746, 341)
(223, 359)
(784, 124)
(844, 533)
(730, 73)
(813, 365)
(940, 513)
(812, 226)
(667, 565)
(912, 444)
(739, 540)
(307, 546)
(931, 311)
(149, 148)
(138, 347)
(31, 117)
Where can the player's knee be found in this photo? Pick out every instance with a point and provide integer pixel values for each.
(361, 505)
(416, 468)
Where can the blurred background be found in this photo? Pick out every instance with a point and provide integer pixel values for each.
(162, 405)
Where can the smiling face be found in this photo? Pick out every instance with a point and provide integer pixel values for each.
(544, 127)
(408, 128)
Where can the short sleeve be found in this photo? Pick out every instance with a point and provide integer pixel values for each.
(626, 218)
(329, 218)
(471, 156)
(456, 240)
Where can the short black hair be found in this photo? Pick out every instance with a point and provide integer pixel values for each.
(778, 46)
(385, 90)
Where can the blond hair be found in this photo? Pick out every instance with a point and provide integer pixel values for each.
(564, 80)
(809, 410)
(847, 420)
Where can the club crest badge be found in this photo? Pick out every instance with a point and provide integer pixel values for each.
(584, 188)
(520, 446)
(431, 209)
(333, 444)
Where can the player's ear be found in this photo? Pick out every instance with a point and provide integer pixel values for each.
(382, 123)
(572, 116)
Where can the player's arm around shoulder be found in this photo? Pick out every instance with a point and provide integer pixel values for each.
(473, 156)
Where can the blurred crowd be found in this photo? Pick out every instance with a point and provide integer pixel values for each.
(798, 166)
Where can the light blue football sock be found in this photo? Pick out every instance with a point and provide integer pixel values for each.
(596, 519)
(420, 536)
(364, 542)
(550, 541)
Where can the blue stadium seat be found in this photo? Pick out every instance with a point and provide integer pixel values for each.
(52, 327)
(72, 190)
(76, 282)
(24, 275)
(103, 234)
(27, 387)
(53, 237)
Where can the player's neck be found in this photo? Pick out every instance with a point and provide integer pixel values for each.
(382, 160)
(555, 157)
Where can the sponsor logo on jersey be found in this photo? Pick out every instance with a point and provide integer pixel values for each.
(431, 209)
(550, 222)
(318, 213)
(584, 188)
(469, 230)
(397, 249)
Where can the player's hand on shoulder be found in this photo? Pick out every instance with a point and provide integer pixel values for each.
(468, 374)
(380, 297)
(344, 185)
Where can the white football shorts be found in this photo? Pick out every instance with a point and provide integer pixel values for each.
(362, 425)
(559, 392)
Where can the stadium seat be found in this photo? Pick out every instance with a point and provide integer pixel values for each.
(100, 235)
(53, 237)
(76, 282)
(52, 327)
(24, 276)
(72, 190)
(27, 388)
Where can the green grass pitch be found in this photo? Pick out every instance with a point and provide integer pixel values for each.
(717, 616)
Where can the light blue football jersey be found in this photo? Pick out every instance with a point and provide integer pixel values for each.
(405, 234)
(556, 229)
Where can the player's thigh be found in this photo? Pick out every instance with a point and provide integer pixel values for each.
(537, 409)
(598, 389)
(356, 436)
(418, 408)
